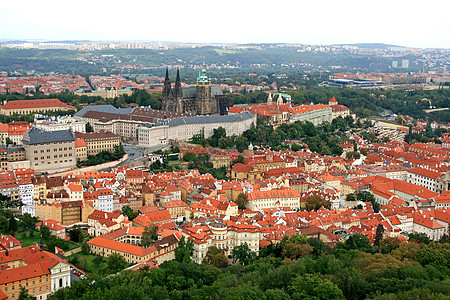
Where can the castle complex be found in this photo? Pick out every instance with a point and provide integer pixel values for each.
(203, 99)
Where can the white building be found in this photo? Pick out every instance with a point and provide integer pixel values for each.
(183, 129)
(26, 191)
(258, 200)
(48, 123)
(432, 180)
(105, 200)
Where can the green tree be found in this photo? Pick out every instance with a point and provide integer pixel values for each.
(45, 232)
(6, 203)
(184, 250)
(239, 159)
(127, 211)
(23, 295)
(243, 255)
(241, 143)
(434, 257)
(351, 197)
(379, 235)
(358, 242)
(215, 257)
(189, 156)
(76, 235)
(89, 128)
(85, 249)
(419, 238)
(311, 286)
(242, 200)
(116, 263)
(315, 202)
(150, 235)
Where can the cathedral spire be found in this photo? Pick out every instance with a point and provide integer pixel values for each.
(178, 93)
(167, 89)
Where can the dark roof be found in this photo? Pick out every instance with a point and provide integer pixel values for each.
(191, 92)
(38, 136)
(104, 108)
(13, 149)
(210, 119)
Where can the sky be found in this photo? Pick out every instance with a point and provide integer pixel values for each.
(412, 23)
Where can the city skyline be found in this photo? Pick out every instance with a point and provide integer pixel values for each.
(232, 22)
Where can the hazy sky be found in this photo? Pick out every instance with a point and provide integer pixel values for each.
(409, 23)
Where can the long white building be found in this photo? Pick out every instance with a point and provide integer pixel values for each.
(183, 129)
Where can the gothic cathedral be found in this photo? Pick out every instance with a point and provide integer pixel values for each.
(202, 99)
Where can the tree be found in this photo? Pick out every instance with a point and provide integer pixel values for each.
(23, 295)
(366, 196)
(85, 249)
(311, 286)
(241, 143)
(89, 128)
(241, 200)
(184, 250)
(218, 133)
(126, 210)
(150, 235)
(351, 197)
(364, 151)
(116, 263)
(13, 224)
(352, 154)
(6, 203)
(189, 156)
(358, 242)
(432, 256)
(45, 232)
(239, 159)
(315, 202)
(243, 254)
(419, 238)
(215, 257)
(379, 235)
(390, 243)
(76, 235)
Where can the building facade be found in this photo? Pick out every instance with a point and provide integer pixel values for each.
(183, 129)
(50, 151)
(203, 99)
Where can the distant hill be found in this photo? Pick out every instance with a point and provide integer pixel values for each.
(373, 45)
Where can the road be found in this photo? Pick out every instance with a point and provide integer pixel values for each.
(136, 152)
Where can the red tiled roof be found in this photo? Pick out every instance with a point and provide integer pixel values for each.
(39, 103)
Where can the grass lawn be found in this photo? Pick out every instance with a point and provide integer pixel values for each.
(36, 238)
(175, 164)
(95, 269)
(229, 51)
(27, 241)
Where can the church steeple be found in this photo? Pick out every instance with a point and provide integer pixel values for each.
(269, 99)
(178, 93)
(167, 89)
(202, 77)
(279, 100)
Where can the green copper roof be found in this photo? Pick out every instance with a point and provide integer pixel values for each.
(202, 77)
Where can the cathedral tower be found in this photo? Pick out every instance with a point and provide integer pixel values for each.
(205, 105)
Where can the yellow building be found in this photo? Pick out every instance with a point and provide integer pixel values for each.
(26, 107)
(97, 142)
(240, 171)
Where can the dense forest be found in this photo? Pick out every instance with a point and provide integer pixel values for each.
(296, 268)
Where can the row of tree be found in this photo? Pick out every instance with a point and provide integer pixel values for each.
(296, 268)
